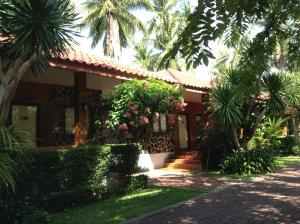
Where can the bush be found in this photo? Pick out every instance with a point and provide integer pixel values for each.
(255, 161)
(124, 158)
(59, 179)
(36, 217)
(137, 183)
(286, 144)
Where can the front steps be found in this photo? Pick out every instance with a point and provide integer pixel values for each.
(184, 161)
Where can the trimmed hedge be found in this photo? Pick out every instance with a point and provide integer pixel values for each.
(124, 158)
(63, 178)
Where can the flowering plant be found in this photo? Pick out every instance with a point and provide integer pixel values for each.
(134, 104)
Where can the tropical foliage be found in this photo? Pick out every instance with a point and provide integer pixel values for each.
(12, 142)
(136, 103)
(113, 23)
(30, 31)
(243, 100)
(279, 20)
(256, 161)
(269, 132)
(167, 22)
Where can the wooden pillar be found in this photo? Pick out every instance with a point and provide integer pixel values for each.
(192, 126)
(80, 87)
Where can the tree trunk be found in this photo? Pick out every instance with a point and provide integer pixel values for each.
(235, 138)
(6, 97)
(113, 41)
(295, 128)
(9, 82)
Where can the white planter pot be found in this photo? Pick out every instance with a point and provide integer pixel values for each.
(151, 161)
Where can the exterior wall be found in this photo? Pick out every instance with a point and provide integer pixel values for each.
(56, 89)
(54, 76)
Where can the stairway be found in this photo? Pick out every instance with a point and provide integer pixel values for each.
(184, 161)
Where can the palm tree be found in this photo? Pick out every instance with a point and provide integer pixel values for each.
(168, 21)
(29, 32)
(113, 23)
(244, 99)
(146, 57)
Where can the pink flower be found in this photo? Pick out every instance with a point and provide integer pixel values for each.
(144, 120)
(180, 106)
(123, 127)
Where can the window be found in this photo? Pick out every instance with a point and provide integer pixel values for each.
(160, 123)
(24, 118)
(70, 120)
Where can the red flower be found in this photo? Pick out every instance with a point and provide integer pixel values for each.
(144, 120)
(123, 127)
(180, 106)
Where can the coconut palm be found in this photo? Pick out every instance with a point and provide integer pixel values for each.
(145, 56)
(169, 19)
(113, 23)
(29, 32)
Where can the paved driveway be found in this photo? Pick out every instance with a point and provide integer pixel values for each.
(273, 199)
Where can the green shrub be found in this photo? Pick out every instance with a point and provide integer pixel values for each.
(57, 172)
(59, 179)
(36, 217)
(124, 158)
(286, 145)
(255, 161)
(296, 150)
(137, 183)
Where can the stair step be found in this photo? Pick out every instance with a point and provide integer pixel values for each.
(188, 157)
(185, 161)
(183, 166)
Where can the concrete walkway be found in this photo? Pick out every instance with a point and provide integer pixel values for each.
(272, 199)
(162, 177)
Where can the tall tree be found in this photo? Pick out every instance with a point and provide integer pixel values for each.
(113, 23)
(30, 31)
(212, 19)
(168, 20)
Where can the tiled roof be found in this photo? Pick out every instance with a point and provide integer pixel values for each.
(81, 61)
(96, 65)
(189, 79)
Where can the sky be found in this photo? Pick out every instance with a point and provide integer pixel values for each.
(128, 53)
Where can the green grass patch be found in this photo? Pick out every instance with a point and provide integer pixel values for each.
(285, 161)
(118, 209)
(282, 162)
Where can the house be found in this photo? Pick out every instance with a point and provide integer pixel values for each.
(70, 93)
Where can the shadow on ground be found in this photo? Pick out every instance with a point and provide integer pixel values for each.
(273, 199)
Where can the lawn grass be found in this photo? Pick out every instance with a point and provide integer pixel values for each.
(285, 161)
(281, 161)
(118, 209)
